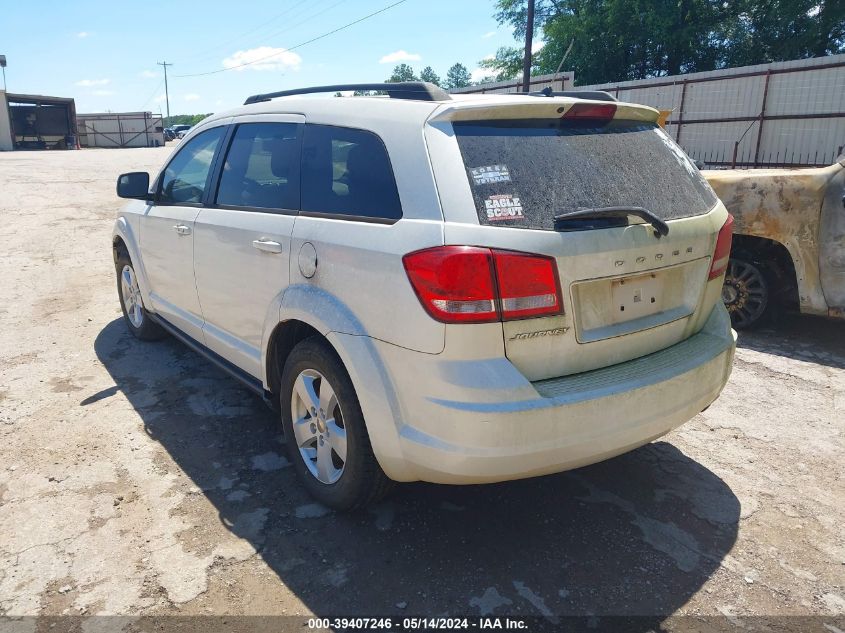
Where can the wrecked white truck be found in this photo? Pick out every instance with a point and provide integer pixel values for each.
(789, 241)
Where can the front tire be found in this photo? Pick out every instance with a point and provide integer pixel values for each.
(134, 313)
(324, 428)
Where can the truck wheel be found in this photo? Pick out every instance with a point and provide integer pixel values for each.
(326, 435)
(134, 313)
(745, 292)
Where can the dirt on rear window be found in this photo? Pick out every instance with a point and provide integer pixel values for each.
(525, 172)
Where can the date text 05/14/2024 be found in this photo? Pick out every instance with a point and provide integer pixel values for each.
(418, 624)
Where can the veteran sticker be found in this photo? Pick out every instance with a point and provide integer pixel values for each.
(503, 207)
(490, 174)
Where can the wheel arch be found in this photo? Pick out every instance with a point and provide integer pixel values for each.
(777, 260)
(308, 311)
(298, 312)
(124, 240)
(284, 337)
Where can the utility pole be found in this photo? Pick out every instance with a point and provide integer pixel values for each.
(166, 93)
(529, 42)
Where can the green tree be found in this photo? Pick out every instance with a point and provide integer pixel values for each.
(430, 76)
(458, 77)
(785, 29)
(186, 119)
(403, 72)
(505, 64)
(616, 40)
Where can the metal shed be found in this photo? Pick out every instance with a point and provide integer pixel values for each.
(37, 122)
(120, 129)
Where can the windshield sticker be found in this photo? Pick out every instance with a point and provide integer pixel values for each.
(503, 207)
(490, 174)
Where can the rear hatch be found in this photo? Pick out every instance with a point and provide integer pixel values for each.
(627, 290)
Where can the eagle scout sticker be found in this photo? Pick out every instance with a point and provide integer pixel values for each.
(490, 174)
(503, 207)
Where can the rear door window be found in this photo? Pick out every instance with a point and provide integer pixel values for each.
(525, 172)
(347, 172)
(261, 169)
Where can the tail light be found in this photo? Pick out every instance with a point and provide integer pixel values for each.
(528, 285)
(594, 111)
(468, 284)
(722, 252)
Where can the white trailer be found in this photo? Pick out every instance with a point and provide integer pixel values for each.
(120, 129)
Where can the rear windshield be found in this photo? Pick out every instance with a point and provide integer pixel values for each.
(525, 172)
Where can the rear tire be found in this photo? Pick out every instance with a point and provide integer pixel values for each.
(324, 427)
(745, 291)
(134, 313)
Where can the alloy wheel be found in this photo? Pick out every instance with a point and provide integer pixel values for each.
(318, 427)
(131, 296)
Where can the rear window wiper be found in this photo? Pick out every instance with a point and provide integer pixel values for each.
(583, 213)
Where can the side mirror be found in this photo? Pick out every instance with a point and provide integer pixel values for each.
(134, 185)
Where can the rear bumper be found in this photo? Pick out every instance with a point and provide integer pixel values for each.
(495, 427)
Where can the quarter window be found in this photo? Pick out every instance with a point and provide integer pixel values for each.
(185, 177)
(347, 172)
(261, 169)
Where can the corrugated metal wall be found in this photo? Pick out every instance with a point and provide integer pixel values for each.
(780, 114)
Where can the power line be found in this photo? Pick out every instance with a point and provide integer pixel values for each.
(153, 94)
(220, 45)
(301, 44)
(290, 27)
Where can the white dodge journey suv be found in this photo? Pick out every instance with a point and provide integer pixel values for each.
(454, 289)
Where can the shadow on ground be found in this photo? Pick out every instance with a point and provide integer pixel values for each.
(639, 534)
(802, 337)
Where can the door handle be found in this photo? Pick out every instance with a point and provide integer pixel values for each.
(268, 246)
(182, 229)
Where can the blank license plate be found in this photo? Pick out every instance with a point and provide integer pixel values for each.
(635, 297)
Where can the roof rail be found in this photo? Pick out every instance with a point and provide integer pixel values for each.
(416, 90)
(595, 95)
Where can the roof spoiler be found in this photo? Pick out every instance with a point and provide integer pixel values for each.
(595, 95)
(414, 90)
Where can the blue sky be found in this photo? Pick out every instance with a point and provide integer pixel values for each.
(104, 54)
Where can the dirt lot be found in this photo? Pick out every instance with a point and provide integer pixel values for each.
(138, 479)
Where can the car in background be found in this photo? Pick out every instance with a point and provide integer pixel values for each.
(789, 241)
(181, 129)
(453, 289)
(169, 134)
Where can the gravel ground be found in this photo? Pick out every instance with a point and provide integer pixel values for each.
(137, 479)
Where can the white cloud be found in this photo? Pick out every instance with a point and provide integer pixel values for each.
(270, 59)
(191, 97)
(399, 56)
(87, 83)
(103, 93)
(82, 34)
(488, 35)
(536, 46)
(148, 74)
(481, 74)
